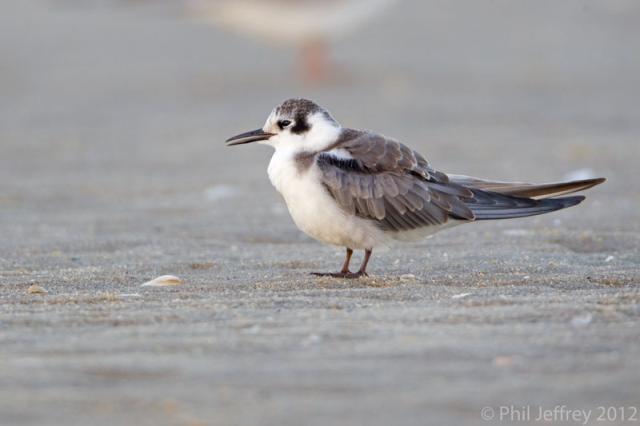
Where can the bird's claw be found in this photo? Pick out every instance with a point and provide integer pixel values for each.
(347, 275)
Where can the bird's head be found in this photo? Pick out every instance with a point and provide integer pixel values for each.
(298, 125)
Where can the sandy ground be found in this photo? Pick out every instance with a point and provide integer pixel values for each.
(113, 171)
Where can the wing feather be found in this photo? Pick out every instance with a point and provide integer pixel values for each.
(394, 186)
(389, 183)
(529, 190)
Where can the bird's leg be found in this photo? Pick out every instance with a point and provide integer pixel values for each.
(347, 260)
(344, 272)
(315, 61)
(363, 268)
(362, 272)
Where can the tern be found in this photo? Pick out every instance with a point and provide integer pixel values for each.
(308, 25)
(361, 190)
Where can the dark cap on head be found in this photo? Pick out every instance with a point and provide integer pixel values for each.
(295, 105)
(299, 109)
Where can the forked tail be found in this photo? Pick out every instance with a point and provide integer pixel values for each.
(502, 200)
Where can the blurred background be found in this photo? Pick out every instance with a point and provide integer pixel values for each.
(113, 97)
(113, 170)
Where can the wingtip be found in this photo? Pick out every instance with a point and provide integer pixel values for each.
(589, 181)
(595, 181)
(584, 184)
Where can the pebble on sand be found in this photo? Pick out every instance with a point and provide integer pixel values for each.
(163, 281)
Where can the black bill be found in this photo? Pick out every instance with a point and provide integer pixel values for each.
(252, 136)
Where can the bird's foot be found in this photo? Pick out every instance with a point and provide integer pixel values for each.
(348, 275)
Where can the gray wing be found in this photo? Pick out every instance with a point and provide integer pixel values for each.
(394, 186)
(389, 183)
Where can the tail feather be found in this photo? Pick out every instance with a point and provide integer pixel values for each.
(487, 205)
(527, 190)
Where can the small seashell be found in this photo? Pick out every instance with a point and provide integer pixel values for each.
(460, 296)
(609, 259)
(36, 289)
(163, 281)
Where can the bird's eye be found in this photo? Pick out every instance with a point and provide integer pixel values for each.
(283, 123)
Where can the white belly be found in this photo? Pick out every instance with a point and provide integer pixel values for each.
(315, 212)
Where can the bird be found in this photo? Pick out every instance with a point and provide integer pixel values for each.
(361, 190)
(307, 25)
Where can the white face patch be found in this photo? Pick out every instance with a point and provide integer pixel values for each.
(270, 125)
(321, 134)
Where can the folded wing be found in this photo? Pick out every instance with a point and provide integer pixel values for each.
(389, 183)
(383, 180)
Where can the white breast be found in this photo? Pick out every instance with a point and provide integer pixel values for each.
(314, 211)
